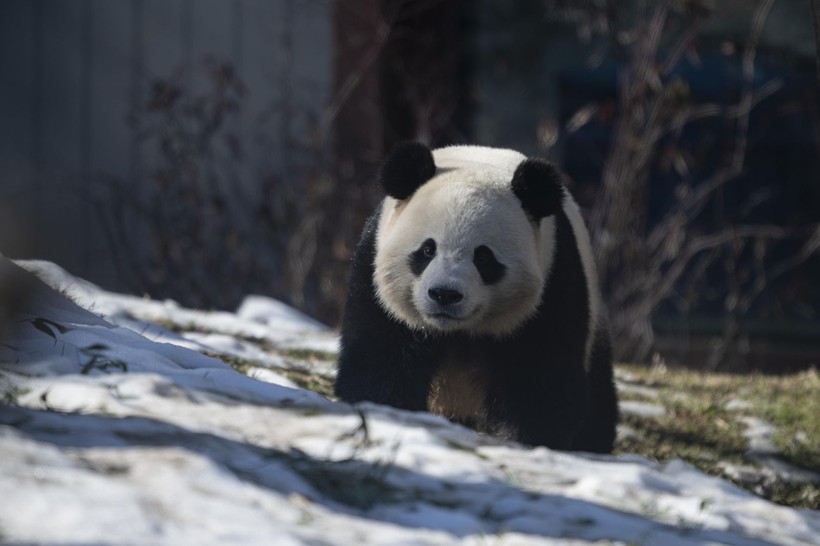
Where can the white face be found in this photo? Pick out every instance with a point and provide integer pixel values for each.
(461, 255)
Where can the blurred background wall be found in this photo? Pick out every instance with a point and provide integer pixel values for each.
(202, 150)
(143, 141)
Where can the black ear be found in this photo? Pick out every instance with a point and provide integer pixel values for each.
(537, 184)
(407, 167)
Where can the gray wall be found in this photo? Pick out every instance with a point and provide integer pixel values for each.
(75, 71)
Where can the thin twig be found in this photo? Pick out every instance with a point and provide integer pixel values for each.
(354, 79)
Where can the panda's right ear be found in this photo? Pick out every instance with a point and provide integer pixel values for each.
(406, 168)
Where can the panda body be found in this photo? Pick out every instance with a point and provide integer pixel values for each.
(473, 295)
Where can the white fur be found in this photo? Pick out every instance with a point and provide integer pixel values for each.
(469, 202)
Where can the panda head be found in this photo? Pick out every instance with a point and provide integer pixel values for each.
(465, 238)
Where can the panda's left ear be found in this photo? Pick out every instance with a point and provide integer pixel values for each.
(537, 184)
(406, 168)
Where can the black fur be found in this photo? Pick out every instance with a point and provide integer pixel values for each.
(406, 168)
(490, 269)
(598, 426)
(537, 184)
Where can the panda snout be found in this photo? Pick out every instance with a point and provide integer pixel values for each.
(445, 296)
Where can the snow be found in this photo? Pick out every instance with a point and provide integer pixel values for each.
(736, 404)
(627, 388)
(642, 409)
(763, 451)
(119, 428)
(275, 325)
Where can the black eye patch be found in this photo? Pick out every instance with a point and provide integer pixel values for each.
(421, 258)
(490, 269)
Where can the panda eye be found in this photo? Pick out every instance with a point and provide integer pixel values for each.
(420, 258)
(428, 249)
(490, 269)
(482, 255)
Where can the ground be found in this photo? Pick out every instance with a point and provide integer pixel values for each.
(759, 431)
(127, 420)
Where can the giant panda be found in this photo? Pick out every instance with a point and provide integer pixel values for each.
(473, 295)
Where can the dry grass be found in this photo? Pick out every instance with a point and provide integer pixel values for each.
(700, 428)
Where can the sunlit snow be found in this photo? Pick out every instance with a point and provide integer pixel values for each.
(120, 425)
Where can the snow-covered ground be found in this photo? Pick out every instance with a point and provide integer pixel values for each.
(117, 427)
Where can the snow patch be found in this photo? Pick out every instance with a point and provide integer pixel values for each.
(640, 390)
(642, 409)
(120, 431)
(736, 404)
(764, 452)
(277, 315)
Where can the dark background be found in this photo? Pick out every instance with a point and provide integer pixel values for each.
(204, 150)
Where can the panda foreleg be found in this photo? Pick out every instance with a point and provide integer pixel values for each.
(380, 359)
(537, 409)
(396, 374)
(374, 363)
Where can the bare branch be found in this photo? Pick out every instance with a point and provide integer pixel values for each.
(681, 47)
(709, 241)
(760, 16)
(695, 202)
(355, 77)
(702, 111)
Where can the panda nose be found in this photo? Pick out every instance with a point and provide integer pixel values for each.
(445, 296)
